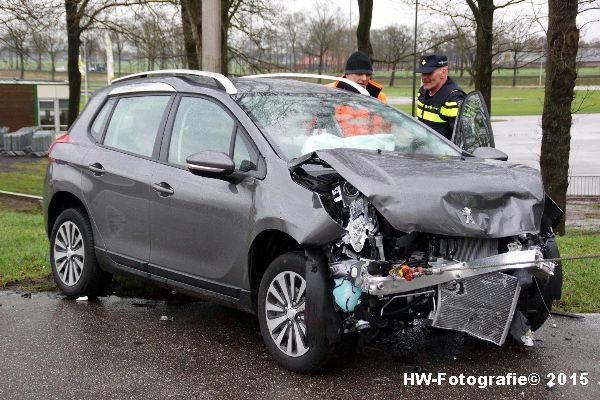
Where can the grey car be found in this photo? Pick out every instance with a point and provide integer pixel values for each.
(325, 212)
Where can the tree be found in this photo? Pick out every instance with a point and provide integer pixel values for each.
(324, 34)
(519, 41)
(391, 46)
(363, 31)
(14, 36)
(191, 21)
(561, 72)
(293, 25)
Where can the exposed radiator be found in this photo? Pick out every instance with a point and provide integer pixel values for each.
(482, 306)
(468, 249)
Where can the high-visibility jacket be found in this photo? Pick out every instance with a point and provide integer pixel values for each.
(355, 121)
(374, 89)
(440, 110)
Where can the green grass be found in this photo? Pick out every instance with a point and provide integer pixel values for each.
(23, 248)
(24, 177)
(517, 101)
(581, 287)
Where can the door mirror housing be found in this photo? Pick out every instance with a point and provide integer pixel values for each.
(211, 164)
(490, 153)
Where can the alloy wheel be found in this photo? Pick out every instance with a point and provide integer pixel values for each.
(69, 253)
(284, 312)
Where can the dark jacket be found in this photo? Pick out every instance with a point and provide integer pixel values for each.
(440, 110)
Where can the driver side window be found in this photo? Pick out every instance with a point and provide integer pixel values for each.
(202, 125)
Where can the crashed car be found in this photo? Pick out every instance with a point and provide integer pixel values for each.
(325, 212)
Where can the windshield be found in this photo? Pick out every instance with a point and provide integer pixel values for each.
(298, 124)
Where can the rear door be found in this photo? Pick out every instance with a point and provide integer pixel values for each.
(200, 226)
(117, 182)
(472, 128)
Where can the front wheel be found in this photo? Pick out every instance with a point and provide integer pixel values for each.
(539, 297)
(281, 308)
(74, 266)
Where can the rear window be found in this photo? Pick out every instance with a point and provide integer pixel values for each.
(134, 124)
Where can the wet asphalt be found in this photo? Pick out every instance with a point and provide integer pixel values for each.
(119, 348)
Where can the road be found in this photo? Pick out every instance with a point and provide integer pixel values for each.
(54, 348)
(521, 138)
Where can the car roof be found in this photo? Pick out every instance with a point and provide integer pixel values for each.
(200, 84)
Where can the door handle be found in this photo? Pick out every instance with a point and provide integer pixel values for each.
(163, 188)
(97, 169)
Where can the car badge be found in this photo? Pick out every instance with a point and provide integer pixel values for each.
(467, 213)
(423, 62)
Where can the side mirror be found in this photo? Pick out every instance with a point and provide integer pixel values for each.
(211, 164)
(490, 153)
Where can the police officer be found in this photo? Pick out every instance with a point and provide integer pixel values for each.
(360, 70)
(439, 96)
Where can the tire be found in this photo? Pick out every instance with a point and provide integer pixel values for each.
(74, 265)
(539, 297)
(281, 316)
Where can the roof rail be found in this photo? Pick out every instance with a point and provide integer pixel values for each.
(222, 80)
(354, 85)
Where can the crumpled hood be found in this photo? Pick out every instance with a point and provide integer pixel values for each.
(473, 197)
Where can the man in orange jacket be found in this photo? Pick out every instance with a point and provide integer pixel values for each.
(360, 70)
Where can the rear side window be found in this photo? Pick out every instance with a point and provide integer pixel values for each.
(100, 121)
(135, 123)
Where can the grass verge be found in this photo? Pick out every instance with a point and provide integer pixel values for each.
(581, 286)
(23, 176)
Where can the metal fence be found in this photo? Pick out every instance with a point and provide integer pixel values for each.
(584, 185)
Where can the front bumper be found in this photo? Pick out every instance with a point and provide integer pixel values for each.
(446, 271)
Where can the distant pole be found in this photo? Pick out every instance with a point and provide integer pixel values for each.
(414, 85)
(211, 35)
(350, 29)
(87, 71)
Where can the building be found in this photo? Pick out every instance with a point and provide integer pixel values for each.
(34, 103)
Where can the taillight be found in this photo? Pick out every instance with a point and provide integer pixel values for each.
(64, 138)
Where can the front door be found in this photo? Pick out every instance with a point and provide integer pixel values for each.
(200, 226)
(472, 128)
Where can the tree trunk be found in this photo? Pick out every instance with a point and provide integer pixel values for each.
(191, 53)
(363, 31)
(224, 29)
(22, 58)
(52, 65)
(561, 72)
(515, 65)
(484, 34)
(393, 75)
(73, 43)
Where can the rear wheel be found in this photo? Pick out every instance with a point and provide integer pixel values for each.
(281, 307)
(74, 266)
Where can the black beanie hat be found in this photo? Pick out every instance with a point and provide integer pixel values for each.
(358, 63)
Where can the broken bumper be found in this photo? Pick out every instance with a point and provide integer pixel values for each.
(530, 260)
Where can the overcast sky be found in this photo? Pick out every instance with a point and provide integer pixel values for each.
(387, 12)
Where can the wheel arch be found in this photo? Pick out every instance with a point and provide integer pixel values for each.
(266, 246)
(60, 202)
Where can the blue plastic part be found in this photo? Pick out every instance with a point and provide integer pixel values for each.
(346, 294)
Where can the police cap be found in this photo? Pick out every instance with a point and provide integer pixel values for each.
(429, 62)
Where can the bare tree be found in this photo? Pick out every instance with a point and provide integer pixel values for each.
(391, 46)
(293, 25)
(14, 35)
(520, 40)
(324, 34)
(561, 72)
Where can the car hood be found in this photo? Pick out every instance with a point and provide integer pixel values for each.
(449, 196)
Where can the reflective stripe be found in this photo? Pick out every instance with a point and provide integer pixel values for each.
(449, 112)
(450, 104)
(429, 116)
